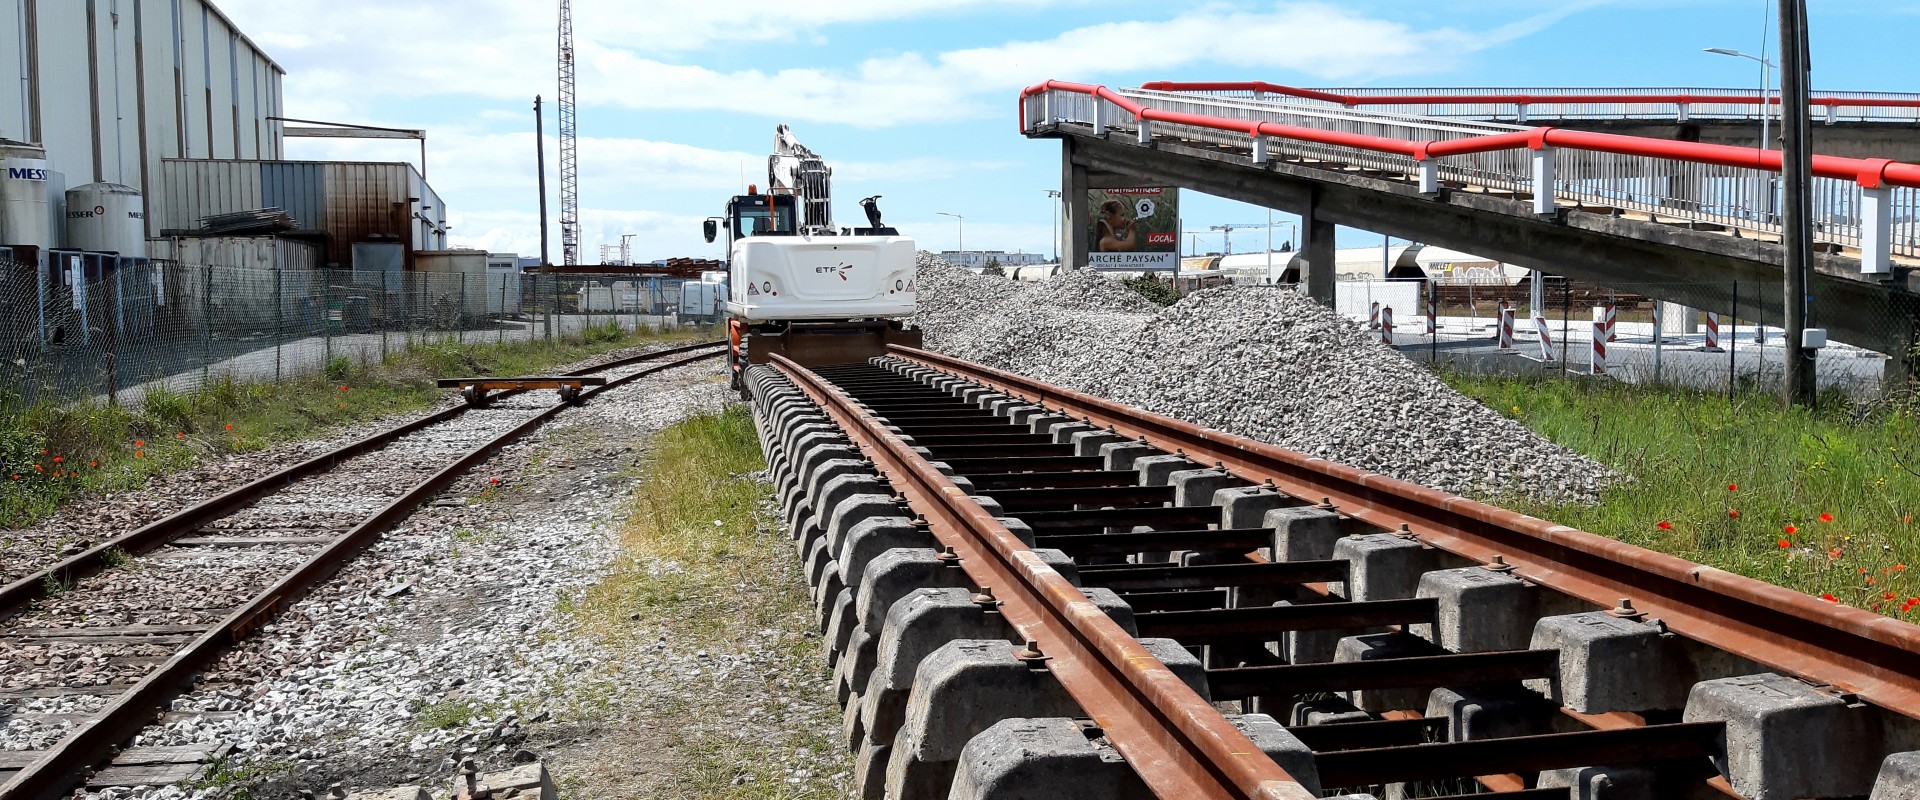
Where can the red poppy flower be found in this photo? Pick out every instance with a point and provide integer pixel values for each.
(138, 454)
(1664, 525)
(1790, 530)
(93, 463)
(1888, 596)
(38, 468)
(1835, 553)
(1826, 517)
(59, 459)
(1733, 487)
(229, 426)
(1732, 514)
(1899, 568)
(1829, 598)
(494, 481)
(346, 389)
(1784, 544)
(1863, 570)
(140, 443)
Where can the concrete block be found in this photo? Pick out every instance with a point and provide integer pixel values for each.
(1043, 423)
(1003, 406)
(1248, 506)
(1899, 778)
(1302, 533)
(1480, 610)
(1312, 647)
(887, 578)
(1611, 664)
(1053, 758)
(1196, 487)
(961, 689)
(916, 626)
(1603, 783)
(1385, 567)
(1474, 713)
(1287, 751)
(1122, 455)
(827, 494)
(1021, 414)
(839, 626)
(1063, 432)
(986, 400)
(850, 512)
(1089, 443)
(1786, 739)
(873, 536)
(1158, 470)
(529, 781)
(1374, 646)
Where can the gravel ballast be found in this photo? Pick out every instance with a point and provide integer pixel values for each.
(1262, 362)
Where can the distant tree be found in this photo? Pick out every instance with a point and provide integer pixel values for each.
(1153, 288)
(993, 268)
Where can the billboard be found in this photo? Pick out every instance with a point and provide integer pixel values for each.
(1134, 229)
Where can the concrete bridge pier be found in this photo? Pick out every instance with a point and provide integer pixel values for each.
(1319, 249)
(1075, 215)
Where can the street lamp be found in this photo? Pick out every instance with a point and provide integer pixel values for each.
(1055, 193)
(963, 234)
(1766, 87)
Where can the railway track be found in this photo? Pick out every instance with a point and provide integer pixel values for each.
(128, 625)
(1026, 591)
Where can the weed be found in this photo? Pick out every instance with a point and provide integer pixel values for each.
(115, 558)
(339, 368)
(443, 715)
(1721, 483)
(55, 584)
(235, 780)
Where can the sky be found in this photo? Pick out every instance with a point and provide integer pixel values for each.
(914, 100)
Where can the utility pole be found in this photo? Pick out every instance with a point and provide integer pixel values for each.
(540, 164)
(1796, 167)
(569, 144)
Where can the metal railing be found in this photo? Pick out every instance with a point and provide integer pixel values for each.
(1678, 104)
(1714, 184)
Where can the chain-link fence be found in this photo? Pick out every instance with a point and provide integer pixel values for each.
(1710, 336)
(112, 332)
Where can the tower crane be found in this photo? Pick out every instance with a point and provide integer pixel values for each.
(569, 145)
(1226, 231)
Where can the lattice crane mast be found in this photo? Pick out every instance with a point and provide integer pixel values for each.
(569, 145)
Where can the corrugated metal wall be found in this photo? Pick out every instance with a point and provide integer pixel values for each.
(349, 201)
(167, 79)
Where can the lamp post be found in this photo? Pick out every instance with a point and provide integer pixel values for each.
(963, 234)
(1766, 88)
(1056, 194)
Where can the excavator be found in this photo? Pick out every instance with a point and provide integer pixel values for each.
(802, 287)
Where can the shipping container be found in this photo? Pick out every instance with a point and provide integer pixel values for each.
(248, 274)
(461, 278)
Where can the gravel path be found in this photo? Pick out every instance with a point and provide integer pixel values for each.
(1263, 362)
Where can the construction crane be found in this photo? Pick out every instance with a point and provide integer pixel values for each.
(569, 145)
(1226, 232)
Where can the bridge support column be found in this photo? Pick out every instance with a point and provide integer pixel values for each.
(1075, 214)
(1319, 249)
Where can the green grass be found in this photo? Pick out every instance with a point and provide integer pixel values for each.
(703, 565)
(443, 715)
(51, 453)
(1697, 461)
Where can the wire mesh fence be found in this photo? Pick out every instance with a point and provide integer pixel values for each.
(112, 334)
(1707, 336)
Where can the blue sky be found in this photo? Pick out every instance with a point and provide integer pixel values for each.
(914, 99)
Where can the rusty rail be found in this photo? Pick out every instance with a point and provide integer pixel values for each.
(1177, 742)
(1874, 657)
(62, 766)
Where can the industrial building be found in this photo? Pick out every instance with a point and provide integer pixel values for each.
(125, 124)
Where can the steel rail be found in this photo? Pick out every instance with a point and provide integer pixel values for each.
(1173, 738)
(16, 595)
(1855, 651)
(63, 766)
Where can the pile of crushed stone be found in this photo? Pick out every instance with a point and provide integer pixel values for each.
(1263, 362)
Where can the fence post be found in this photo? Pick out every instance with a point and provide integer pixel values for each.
(500, 326)
(326, 319)
(40, 301)
(1733, 342)
(1659, 339)
(460, 317)
(1386, 326)
(113, 341)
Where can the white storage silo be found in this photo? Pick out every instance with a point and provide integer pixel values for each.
(107, 218)
(26, 207)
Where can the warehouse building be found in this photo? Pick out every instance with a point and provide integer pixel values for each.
(125, 123)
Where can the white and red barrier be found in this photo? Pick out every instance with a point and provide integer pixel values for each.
(1602, 327)
(1386, 325)
(1713, 334)
(1373, 316)
(1610, 318)
(1506, 328)
(1546, 337)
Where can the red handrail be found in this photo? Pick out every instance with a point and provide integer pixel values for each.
(1517, 98)
(1870, 173)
